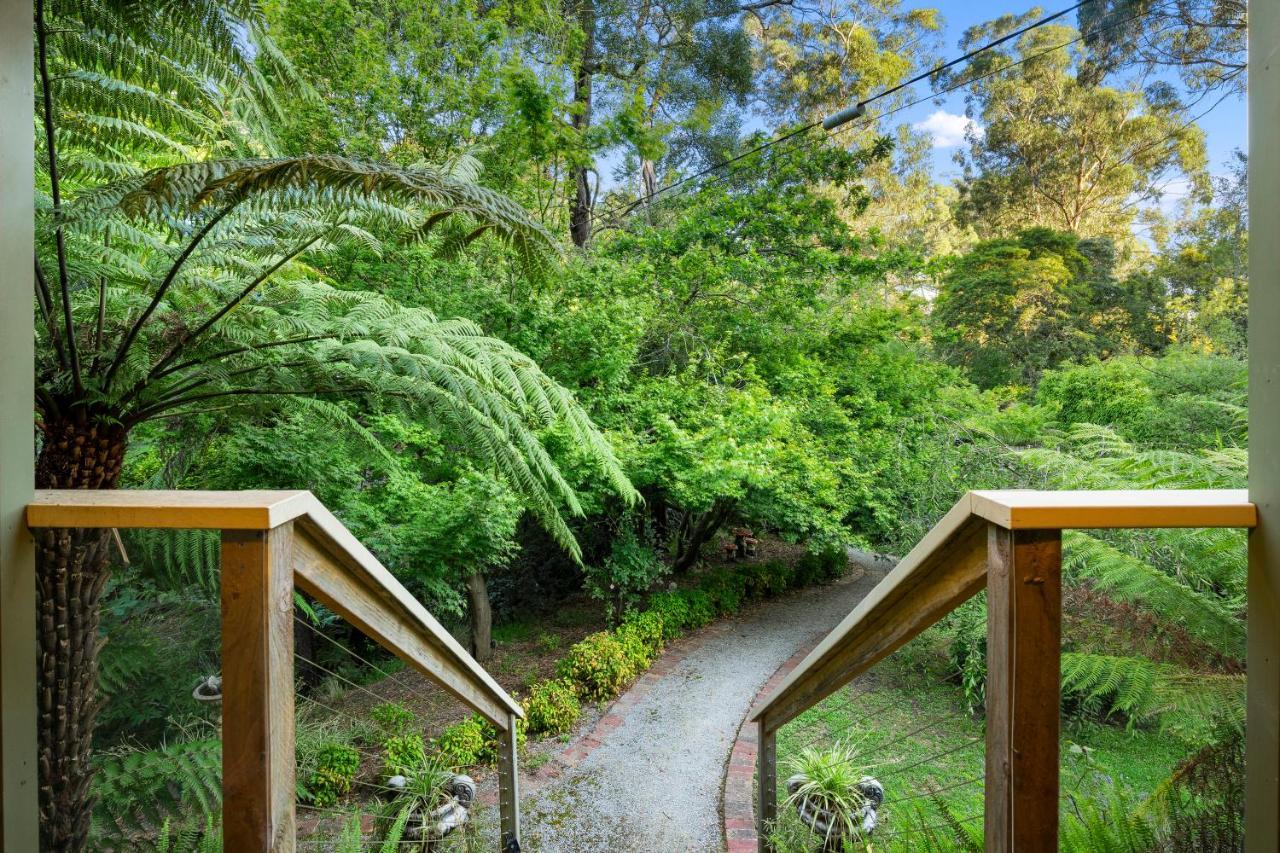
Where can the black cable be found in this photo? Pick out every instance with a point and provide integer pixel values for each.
(625, 209)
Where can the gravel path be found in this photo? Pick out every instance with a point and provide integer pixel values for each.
(654, 783)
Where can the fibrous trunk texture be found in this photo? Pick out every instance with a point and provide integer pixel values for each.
(71, 570)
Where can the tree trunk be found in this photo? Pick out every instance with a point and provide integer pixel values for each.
(72, 566)
(580, 207)
(696, 532)
(481, 617)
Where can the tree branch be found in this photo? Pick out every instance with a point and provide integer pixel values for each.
(147, 414)
(55, 189)
(169, 278)
(186, 339)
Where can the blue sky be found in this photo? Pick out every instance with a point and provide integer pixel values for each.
(1225, 127)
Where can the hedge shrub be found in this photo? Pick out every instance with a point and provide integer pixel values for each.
(727, 591)
(820, 567)
(701, 609)
(598, 667)
(552, 707)
(463, 743)
(674, 609)
(402, 754)
(336, 768)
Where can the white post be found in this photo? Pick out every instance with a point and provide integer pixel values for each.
(19, 811)
(1262, 747)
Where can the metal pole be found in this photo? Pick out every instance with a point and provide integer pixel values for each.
(1262, 744)
(19, 811)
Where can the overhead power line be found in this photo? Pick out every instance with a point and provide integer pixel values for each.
(839, 122)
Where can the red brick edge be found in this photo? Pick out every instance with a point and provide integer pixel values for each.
(737, 796)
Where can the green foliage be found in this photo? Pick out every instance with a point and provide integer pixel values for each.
(630, 570)
(674, 611)
(699, 606)
(727, 591)
(393, 719)
(463, 744)
(599, 666)
(829, 780)
(822, 566)
(336, 767)
(400, 753)
(552, 707)
(138, 790)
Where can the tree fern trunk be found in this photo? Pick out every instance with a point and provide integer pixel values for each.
(71, 570)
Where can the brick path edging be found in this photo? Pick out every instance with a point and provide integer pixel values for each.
(737, 796)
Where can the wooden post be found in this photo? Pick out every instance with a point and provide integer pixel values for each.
(257, 690)
(1024, 631)
(19, 810)
(1262, 734)
(509, 786)
(766, 783)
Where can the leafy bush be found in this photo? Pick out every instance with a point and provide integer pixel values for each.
(700, 608)
(462, 744)
(673, 609)
(393, 719)
(598, 667)
(631, 569)
(336, 768)
(401, 753)
(820, 566)
(552, 707)
(765, 580)
(647, 628)
(727, 590)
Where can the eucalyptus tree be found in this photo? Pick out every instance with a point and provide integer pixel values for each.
(1058, 149)
(1203, 42)
(172, 277)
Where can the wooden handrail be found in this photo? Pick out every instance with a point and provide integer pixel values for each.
(1008, 542)
(949, 566)
(272, 540)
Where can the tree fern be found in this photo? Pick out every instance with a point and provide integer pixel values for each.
(137, 791)
(1127, 578)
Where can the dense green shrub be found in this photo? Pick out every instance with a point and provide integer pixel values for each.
(393, 719)
(552, 707)
(700, 608)
(632, 568)
(336, 768)
(488, 753)
(598, 667)
(402, 753)
(463, 743)
(727, 591)
(647, 627)
(767, 579)
(673, 608)
(820, 566)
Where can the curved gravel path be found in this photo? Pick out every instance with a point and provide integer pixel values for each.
(653, 784)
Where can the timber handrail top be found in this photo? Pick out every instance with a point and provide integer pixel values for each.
(266, 510)
(948, 565)
(1027, 509)
(175, 509)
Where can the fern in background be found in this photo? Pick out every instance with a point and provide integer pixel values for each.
(139, 791)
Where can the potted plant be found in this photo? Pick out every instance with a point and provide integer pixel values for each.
(428, 804)
(832, 795)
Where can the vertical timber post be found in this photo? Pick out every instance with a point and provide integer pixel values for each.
(1262, 735)
(766, 783)
(257, 690)
(19, 810)
(509, 785)
(1024, 631)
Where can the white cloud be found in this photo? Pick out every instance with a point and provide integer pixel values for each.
(947, 129)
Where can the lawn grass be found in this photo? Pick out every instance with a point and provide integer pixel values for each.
(920, 741)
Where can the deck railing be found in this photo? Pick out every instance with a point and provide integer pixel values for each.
(1009, 543)
(273, 541)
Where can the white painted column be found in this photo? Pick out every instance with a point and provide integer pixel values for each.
(1262, 751)
(18, 805)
